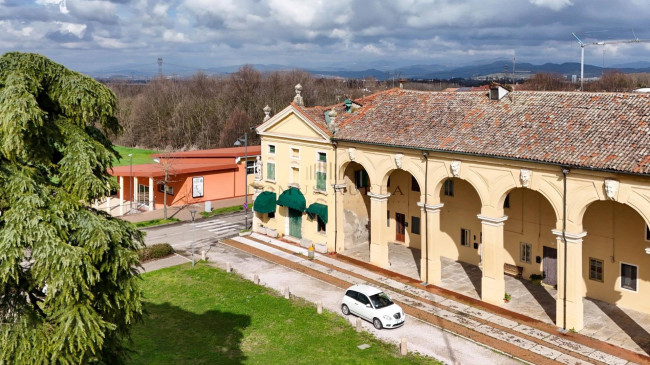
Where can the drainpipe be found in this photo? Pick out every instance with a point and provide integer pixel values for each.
(426, 216)
(336, 221)
(565, 171)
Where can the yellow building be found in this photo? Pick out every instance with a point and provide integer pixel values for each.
(535, 182)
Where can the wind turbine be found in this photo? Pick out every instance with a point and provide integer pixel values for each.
(601, 43)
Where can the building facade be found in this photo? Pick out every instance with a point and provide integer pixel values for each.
(553, 184)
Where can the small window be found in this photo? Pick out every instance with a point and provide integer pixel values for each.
(524, 252)
(414, 184)
(272, 149)
(322, 157)
(628, 276)
(170, 189)
(449, 187)
(321, 181)
(596, 269)
(250, 167)
(321, 226)
(506, 203)
(361, 179)
(295, 153)
(465, 237)
(415, 225)
(270, 171)
(388, 218)
(647, 233)
(272, 215)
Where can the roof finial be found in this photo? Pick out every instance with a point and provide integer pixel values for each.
(332, 127)
(298, 98)
(267, 112)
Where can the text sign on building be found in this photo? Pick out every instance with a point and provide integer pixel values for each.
(197, 187)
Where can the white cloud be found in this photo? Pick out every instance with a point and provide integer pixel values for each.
(72, 28)
(552, 4)
(61, 3)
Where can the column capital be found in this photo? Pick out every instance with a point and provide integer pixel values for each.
(378, 197)
(570, 237)
(431, 208)
(497, 222)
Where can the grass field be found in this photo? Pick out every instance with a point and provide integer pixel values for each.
(140, 156)
(206, 316)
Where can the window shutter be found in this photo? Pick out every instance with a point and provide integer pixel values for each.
(270, 171)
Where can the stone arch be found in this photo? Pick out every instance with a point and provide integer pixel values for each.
(501, 192)
(585, 196)
(361, 160)
(466, 174)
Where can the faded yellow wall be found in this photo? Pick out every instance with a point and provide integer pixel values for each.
(356, 209)
(615, 234)
(403, 200)
(458, 212)
(530, 219)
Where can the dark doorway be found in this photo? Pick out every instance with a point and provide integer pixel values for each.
(550, 266)
(400, 226)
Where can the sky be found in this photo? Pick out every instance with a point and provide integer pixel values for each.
(89, 35)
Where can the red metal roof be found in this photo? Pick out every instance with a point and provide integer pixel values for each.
(177, 167)
(213, 153)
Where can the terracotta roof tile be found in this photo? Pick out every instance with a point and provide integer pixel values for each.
(605, 131)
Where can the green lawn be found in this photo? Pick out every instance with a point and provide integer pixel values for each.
(140, 156)
(205, 316)
(155, 222)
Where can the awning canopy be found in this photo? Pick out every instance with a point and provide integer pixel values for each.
(265, 203)
(318, 209)
(293, 199)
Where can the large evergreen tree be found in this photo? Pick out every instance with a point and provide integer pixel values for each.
(68, 288)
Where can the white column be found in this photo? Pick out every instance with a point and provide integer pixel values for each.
(430, 264)
(135, 192)
(151, 206)
(493, 285)
(574, 281)
(121, 195)
(108, 204)
(378, 240)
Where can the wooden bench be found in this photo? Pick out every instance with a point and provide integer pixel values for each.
(513, 270)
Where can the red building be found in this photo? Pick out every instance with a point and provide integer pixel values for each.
(190, 177)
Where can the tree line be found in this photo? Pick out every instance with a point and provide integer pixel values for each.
(204, 111)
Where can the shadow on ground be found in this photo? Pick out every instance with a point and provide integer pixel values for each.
(637, 333)
(171, 335)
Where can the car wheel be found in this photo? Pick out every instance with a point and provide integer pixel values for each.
(345, 309)
(377, 323)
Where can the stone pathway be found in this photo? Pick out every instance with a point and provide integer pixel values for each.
(549, 345)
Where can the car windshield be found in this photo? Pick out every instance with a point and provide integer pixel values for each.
(380, 300)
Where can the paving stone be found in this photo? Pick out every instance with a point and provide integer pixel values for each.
(454, 305)
(457, 318)
(530, 331)
(607, 358)
(477, 312)
(505, 322)
(505, 336)
(569, 345)
(364, 346)
(546, 352)
(570, 360)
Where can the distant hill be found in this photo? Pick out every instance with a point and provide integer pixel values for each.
(434, 71)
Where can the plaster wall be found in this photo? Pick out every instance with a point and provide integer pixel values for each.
(356, 209)
(460, 211)
(403, 200)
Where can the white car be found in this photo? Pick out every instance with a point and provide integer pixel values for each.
(373, 305)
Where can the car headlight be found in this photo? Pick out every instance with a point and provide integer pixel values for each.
(387, 318)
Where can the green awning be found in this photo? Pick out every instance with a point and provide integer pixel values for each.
(265, 203)
(293, 199)
(318, 209)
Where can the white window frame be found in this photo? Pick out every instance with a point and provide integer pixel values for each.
(602, 267)
(620, 277)
(318, 156)
(321, 166)
(468, 237)
(268, 149)
(523, 247)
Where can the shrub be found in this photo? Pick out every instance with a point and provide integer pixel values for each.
(156, 251)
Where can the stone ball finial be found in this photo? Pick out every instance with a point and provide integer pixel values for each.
(333, 113)
(267, 109)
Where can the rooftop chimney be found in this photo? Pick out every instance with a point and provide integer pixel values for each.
(298, 98)
(497, 92)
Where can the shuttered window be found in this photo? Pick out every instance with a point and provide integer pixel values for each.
(596, 269)
(524, 252)
(321, 180)
(465, 237)
(449, 187)
(270, 171)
